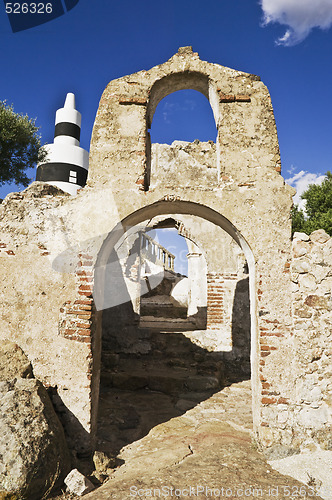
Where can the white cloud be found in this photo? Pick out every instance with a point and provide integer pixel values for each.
(169, 108)
(301, 16)
(301, 182)
(291, 170)
(189, 105)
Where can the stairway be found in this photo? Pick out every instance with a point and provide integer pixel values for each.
(159, 310)
(173, 365)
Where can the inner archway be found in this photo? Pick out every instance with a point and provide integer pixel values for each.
(165, 257)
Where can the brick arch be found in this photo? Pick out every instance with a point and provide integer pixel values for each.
(170, 206)
(211, 290)
(179, 225)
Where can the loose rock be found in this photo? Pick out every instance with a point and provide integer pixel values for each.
(13, 362)
(319, 236)
(301, 236)
(33, 450)
(77, 483)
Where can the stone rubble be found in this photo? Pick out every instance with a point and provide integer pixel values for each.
(311, 274)
(77, 483)
(33, 450)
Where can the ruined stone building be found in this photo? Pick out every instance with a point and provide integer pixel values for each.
(75, 299)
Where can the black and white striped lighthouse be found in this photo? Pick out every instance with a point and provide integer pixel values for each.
(67, 164)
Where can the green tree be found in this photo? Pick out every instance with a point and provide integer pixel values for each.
(298, 219)
(318, 209)
(19, 146)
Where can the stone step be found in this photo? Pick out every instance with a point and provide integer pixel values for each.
(165, 323)
(151, 363)
(172, 376)
(172, 382)
(174, 356)
(156, 300)
(164, 310)
(163, 346)
(162, 306)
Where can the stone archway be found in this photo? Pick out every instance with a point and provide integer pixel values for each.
(248, 191)
(160, 89)
(194, 289)
(166, 208)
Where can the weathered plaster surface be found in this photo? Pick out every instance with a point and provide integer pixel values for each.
(54, 246)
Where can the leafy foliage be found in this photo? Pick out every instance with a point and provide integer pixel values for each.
(19, 146)
(318, 208)
(298, 219)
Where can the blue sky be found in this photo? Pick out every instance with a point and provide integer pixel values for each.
(176, 244)
(287, 42)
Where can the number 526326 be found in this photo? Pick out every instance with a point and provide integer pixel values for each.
(28, 8)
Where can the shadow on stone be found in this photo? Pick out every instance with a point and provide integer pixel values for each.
(34, 453)
(150, 375)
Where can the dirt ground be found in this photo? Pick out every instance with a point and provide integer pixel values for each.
(180, 448)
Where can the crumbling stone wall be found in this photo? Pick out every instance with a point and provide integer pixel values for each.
(311, 274)
(302, 419)
(249, 198)
(192, 163)
(34, 295)
(56, 250)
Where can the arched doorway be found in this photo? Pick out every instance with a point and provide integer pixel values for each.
(127, 346)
